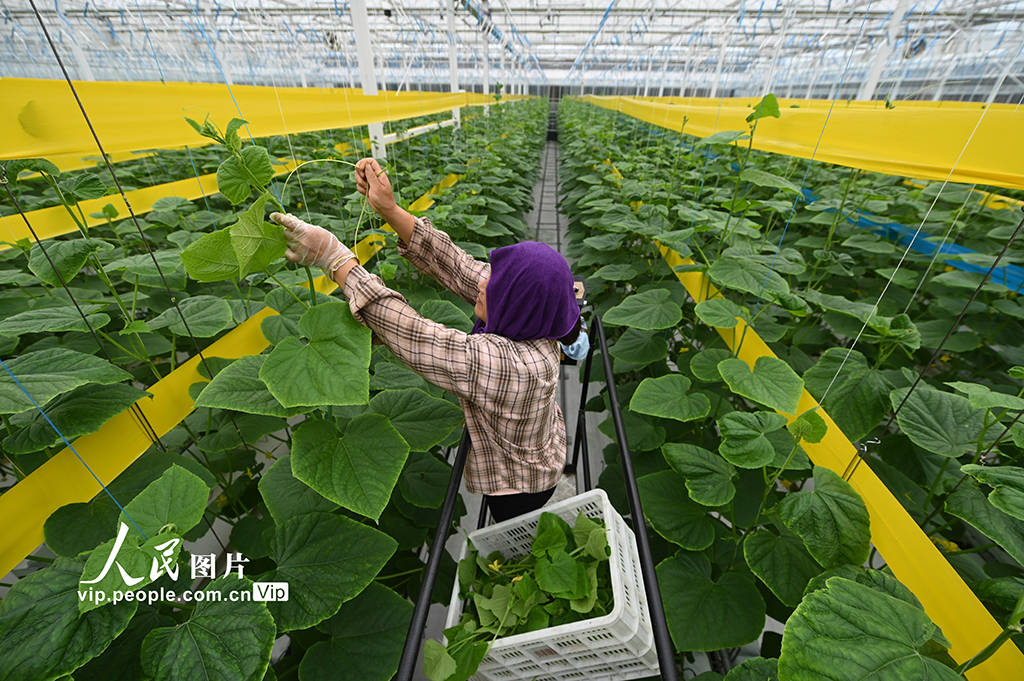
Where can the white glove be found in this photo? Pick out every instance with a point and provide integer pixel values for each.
(312, 245)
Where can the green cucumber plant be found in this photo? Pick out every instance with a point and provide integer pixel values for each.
(726, 487)
(564, 578)
(260, 454)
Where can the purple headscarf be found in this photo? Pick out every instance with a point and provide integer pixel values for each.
(530, 293)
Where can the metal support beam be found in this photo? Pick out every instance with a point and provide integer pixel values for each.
(718, 67)
(417, 131)
(487, 53)
(453, 60)
(769, 80)
(367, 72)
(884, 51)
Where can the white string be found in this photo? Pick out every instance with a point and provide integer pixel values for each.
(874, 308)
(938, 249)
(287, 136)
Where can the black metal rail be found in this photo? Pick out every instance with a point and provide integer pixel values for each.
(662, 640)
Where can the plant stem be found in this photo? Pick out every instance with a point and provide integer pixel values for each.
(289, 290)
(400, 574)
(774, 479)
(312, 286)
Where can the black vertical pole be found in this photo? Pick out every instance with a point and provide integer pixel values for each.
(580, 439)
(414, 638)
(666, 651)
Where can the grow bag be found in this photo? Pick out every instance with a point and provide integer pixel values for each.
(619, 645)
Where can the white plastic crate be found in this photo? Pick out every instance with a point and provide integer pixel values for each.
(618, 646)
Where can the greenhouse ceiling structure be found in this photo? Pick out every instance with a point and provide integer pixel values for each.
(495, 340)
(900, 49)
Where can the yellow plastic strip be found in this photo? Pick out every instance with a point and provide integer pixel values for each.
(54, 221)
(915, 139)
(988, 199)
(35, 118)
(69, 162)
(914, 559)
(111, 449)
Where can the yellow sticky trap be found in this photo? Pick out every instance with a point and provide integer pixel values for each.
(54, 221)
(121, 440)
(34, 118)
(908, 551)
(916, 139)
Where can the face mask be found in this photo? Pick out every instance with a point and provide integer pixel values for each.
(579, 349)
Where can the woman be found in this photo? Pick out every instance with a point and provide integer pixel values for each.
(505, 373)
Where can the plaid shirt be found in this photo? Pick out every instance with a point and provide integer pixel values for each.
(507, 388)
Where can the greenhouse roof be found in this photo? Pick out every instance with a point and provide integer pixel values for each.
(622, 43)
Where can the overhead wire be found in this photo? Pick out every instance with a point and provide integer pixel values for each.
(134, 218)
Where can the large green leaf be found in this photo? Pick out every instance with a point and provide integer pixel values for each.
(133, 557)
(754, 669)
(52, 319)
(719, 312)
(211, 257)
(969, 503)
(744, 437)
(708, 477)
(286, 496)
(639, 347)
(238, 387)
(669, 397)
(44, 374)
(618, 271)
(169, 260)
(940, 422)
(831, 519)
(82, 187)
(649, 310)
(291, 304)
(746, 275)
(856, 400)
(367, 638)
(178, 497)
(892, 637)
(704, 364)
(78, 527)
(983, 397)
(641, 434)
(331, 369)
(781, 562)
(723, 137)
(44, 636)
(256, 242)
(224, 639)
(1007, 483)
(205, 315)
(447, 313)
(422, 419)
(771, 382)
(765, 179)
(67, 256)
(706, 614)
(236, 175)
(424, 480)
(357, 469)
(78, 412)
(672, 514)
(767, 106)
(326, 559)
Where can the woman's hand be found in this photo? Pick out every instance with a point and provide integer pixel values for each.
(373, 183)
(312, 245)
